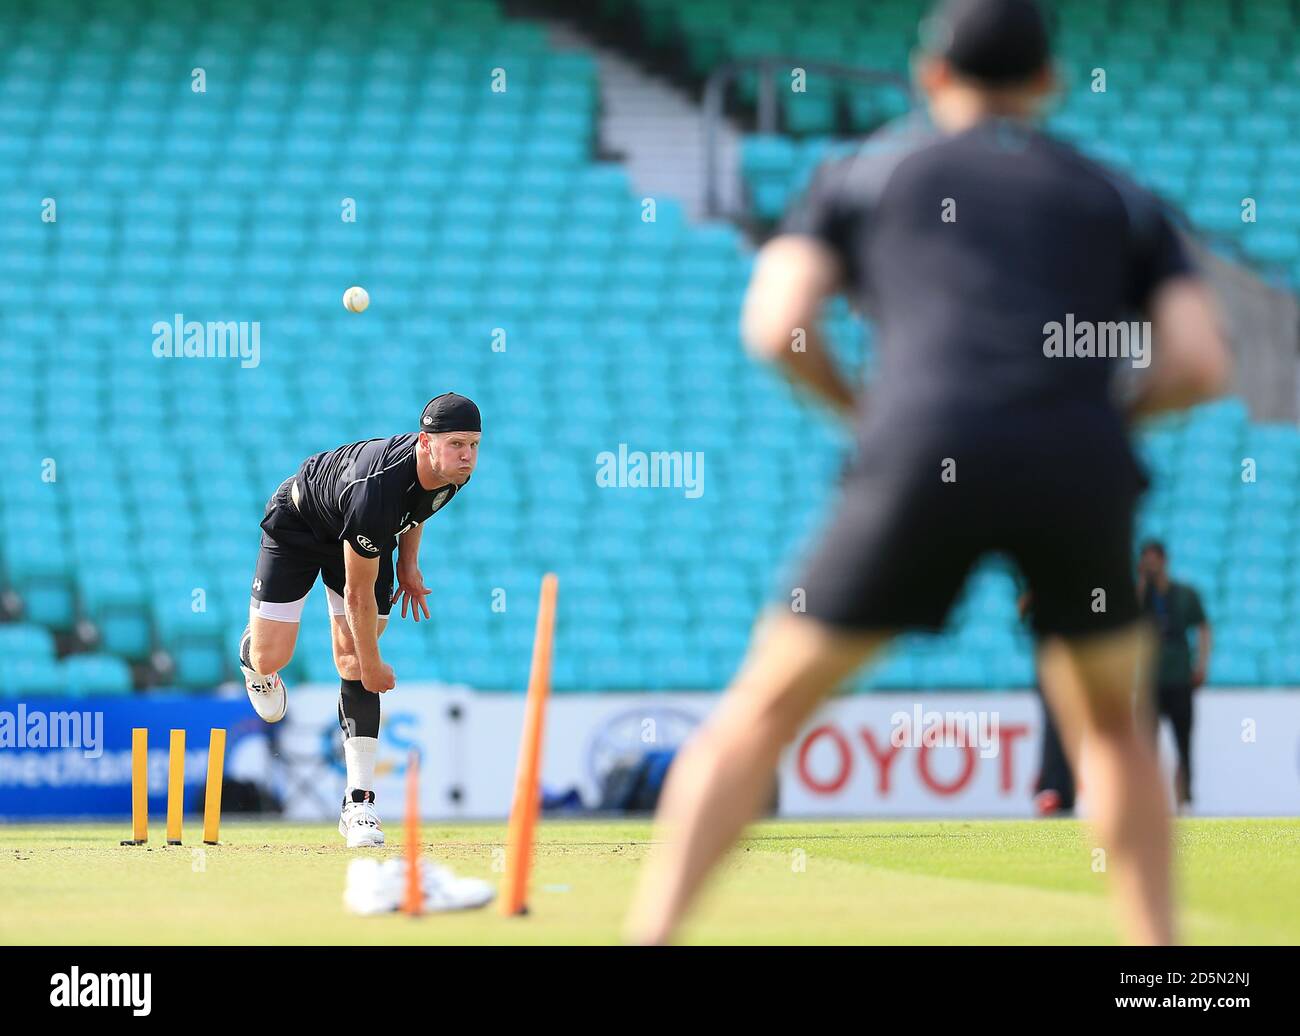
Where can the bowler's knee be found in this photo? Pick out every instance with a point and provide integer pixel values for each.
(269, 658)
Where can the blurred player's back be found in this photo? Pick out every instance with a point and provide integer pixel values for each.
(968, 247)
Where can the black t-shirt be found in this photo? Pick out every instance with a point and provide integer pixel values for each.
(1040, 232)
(1175, 613)
(366, 493)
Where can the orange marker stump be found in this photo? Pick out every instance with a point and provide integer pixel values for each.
(523, 811)
(175, 786)
(139, 787)
(413, 901)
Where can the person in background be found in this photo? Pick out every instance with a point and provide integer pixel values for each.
(1174, 609)
(341, 516)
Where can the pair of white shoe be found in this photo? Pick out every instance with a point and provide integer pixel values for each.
(375, 887)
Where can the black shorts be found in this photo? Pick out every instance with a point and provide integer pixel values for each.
(291, 557)
(901, 541)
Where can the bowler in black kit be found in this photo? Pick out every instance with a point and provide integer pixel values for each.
(341, 516)
(966, 236)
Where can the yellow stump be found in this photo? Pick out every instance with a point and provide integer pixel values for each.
(212, 800)
(139, 787)
(175, 787)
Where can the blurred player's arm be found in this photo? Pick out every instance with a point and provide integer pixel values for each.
(793, 276)
(1203, 641)
(1191, 362)
(359, 575)
(410, 581)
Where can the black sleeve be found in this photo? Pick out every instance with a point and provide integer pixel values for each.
(822, 212)
(1157, 251)
(367, 521)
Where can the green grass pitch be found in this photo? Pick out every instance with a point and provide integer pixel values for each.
(945, 882)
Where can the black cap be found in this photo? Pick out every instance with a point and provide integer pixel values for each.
(450, 413)
(993, 41)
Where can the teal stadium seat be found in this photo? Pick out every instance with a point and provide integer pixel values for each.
(95, 674)
(478, 211)
(30, 676)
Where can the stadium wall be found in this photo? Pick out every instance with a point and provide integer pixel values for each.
(1246, 752)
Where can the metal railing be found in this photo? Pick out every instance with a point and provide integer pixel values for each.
(715, 96)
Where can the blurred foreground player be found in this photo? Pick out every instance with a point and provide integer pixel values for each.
(974, 439)
(1054, 788)
(341, 516)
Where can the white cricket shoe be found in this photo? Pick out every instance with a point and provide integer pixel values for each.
(359, 824)
(375, 887)
(267, 694)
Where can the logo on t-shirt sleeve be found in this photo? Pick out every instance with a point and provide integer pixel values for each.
(438, 501)
(365, 544)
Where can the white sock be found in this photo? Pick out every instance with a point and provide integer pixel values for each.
(359, 753)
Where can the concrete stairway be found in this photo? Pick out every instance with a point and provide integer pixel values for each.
(658, 129)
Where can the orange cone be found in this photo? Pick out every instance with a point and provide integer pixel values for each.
(523, 813)
(413, 903)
